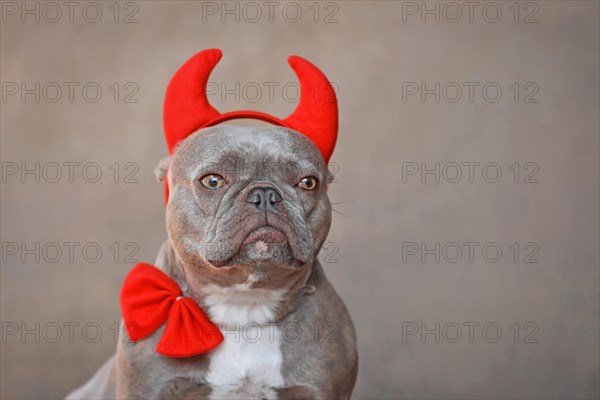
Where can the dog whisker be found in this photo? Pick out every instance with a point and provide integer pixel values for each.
(340, 213)
(341, 202)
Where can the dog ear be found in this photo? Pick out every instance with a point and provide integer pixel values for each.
(330, 176)
(160, 172)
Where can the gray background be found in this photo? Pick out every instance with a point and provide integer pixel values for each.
(369, 52)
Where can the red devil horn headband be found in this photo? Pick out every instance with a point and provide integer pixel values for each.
(187, 108)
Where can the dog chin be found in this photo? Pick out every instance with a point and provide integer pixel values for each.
(263, 247)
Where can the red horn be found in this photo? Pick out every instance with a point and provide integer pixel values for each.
(316, 115)
(187, 108)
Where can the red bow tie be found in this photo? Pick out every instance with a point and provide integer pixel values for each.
(149, 298)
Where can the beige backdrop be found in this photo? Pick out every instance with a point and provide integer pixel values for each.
(527, 329)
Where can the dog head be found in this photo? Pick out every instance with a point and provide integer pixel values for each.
(247, 202)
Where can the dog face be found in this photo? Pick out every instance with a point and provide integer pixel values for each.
(247, 203)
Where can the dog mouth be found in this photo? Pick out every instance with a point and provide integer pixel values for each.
(264, 236)
(262, 246)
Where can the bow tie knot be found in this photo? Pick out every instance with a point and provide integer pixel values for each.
(149, 298)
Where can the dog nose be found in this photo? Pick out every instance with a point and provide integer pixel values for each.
(264, 197)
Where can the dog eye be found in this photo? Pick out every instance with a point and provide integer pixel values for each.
(308, 183)
(212, 181)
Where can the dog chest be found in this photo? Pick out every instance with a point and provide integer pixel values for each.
(248, 363)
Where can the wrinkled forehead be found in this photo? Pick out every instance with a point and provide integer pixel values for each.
(252, 149)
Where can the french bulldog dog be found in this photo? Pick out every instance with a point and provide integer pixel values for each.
(247, 214)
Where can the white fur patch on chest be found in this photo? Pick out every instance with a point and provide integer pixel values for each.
(248, 363)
